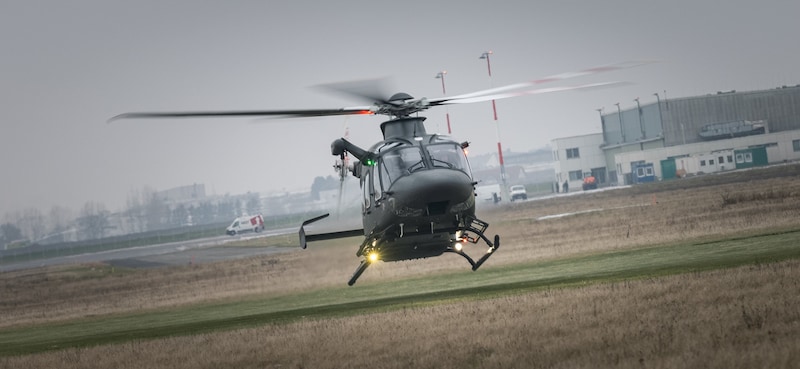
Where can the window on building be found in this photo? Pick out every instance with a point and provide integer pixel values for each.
(573, 153)
(702, 163)
(575, 175)
(796, 145)
(730, 158)
(721, 160)
(711, 162)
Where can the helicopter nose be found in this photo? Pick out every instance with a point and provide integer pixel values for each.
(441, 186)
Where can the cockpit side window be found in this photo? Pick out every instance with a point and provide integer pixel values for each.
(448, 156)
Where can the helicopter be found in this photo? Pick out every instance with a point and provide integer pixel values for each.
(417, 190)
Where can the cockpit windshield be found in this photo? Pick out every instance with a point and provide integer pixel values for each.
(398, 163)
(448, 156)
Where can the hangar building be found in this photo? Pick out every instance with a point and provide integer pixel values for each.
(667, 138)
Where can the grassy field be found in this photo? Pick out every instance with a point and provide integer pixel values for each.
(701, 272)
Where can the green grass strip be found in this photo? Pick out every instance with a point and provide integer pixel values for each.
(366, 298)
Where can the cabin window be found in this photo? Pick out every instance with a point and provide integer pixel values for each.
(366, 188)
(448, 156)
(398, 163)
(376, 188)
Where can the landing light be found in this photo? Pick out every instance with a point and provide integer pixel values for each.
(373, 256)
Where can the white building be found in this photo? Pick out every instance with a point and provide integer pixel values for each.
(578, 157)
(711, 156)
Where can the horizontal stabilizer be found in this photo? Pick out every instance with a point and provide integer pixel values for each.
(334, 235)
(304, 239)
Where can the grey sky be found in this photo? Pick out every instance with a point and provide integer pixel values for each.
(66, 67)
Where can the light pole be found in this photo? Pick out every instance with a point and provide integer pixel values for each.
(661, 115)
(602, 123)
(641, 123)
(621, 128)
(503, 190)
(441, 75)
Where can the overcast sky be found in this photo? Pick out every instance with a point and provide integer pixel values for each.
(68, 66)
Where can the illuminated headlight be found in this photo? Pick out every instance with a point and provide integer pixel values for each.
(373, 257)
(458, 246)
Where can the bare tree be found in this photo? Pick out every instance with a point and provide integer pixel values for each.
(228, 208)
(179, 216)
(134, 213)
(31, 222)
(156, 212)
(9, 233)
(253, 204)
(93, 220)
(59, 219)
(204, 213)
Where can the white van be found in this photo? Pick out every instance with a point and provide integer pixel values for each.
(250, 223)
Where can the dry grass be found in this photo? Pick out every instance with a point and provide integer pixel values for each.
(736, 318)
(645, 219)
(740, 318)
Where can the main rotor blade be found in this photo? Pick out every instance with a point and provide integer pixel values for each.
(531, 92)
(556, 77)
(362, 110)
(369, 90)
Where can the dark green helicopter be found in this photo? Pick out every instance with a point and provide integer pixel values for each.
(418, 194)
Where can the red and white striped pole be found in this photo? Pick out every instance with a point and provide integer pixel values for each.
(503, 190)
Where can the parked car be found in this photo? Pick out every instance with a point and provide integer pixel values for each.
(518, 192)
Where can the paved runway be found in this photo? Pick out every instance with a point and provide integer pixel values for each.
(174, 253)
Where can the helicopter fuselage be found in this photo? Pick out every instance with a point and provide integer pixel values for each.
(418, 196)
(415, 196)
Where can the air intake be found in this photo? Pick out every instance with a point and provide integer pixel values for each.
(437, 208)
